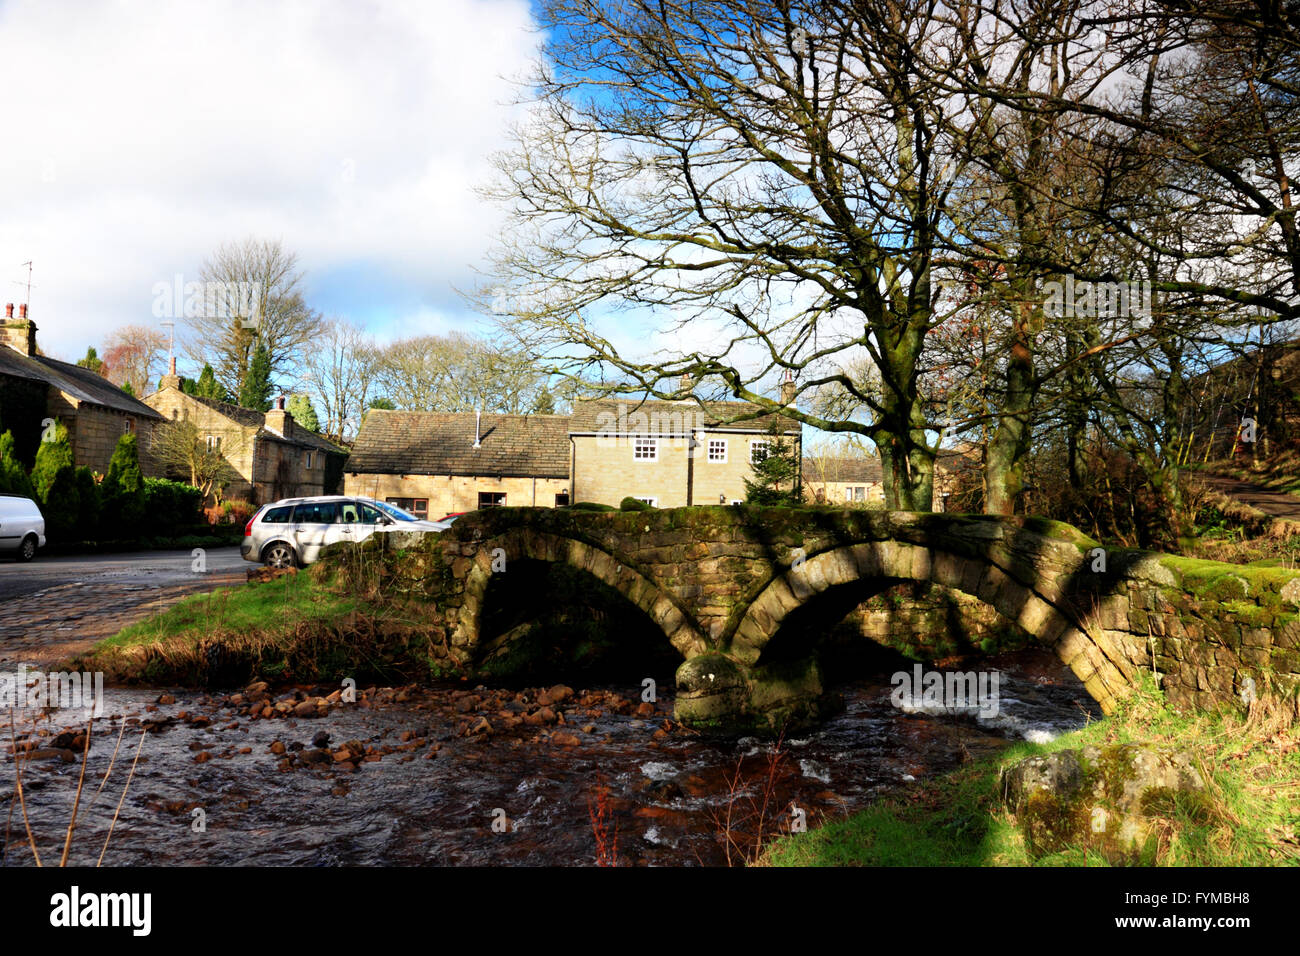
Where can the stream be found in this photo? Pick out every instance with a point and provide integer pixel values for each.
(449, 774)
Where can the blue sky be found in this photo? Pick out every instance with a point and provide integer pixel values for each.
(141, 137)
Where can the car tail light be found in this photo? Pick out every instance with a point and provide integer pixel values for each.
(248, 528)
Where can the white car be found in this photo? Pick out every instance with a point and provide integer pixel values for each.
(22, 526)
(292, 532)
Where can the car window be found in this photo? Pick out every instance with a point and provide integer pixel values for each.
(395, 512)
(317, 512)
(278, 515)
(350, 511)
(369, 515)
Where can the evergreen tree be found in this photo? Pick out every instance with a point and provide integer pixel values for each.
(207, 386)
(775, 473)
(300, 407)
(255, 392)
(88, 504)
(51, 456)
(13, 476)
(122, 491)
(545, 404)
(382, 403)
(54, 479)
(126, 387)
(92, 361)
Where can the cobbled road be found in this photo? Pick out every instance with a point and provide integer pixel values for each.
(52, 607)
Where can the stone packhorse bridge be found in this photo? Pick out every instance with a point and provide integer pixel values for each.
(721, 582)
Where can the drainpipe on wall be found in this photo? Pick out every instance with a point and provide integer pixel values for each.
(573, 467)
(690, 467)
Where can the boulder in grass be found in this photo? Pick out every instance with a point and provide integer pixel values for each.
(1099, 798)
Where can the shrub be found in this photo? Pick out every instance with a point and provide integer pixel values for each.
(591, 506)
(88, 504)
(54, 478)
(172, 504)
(122, 491)
(13, 476)
(51, 456)
(237, 512)
(634, 504)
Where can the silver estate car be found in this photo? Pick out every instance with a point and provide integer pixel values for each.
(22, 526)
(292, 532)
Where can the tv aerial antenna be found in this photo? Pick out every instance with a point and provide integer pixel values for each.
(28, 298)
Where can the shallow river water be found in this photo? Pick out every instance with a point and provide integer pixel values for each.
(434, 793)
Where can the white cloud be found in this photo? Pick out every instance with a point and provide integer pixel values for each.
(142, 136)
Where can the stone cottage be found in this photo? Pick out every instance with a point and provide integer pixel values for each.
(274, 456)
(858, 480)
(843, 480)
(669, 454)
(438, 463)
(35, 389)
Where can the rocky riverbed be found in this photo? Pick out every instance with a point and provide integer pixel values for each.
(452, 774)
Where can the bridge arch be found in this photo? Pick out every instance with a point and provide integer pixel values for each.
(520, 544)
(1038, 607)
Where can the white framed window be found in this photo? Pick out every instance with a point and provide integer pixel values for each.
(308, 459)
(214, 443)
(759, 449)
(128, 426)
(718, 450)
(645, 449)
(652, 502)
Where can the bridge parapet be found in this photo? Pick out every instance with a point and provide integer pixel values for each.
(721, 582)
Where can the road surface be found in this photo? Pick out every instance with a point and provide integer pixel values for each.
(52, 607)
(148, 569)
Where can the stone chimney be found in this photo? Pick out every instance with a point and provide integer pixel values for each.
(171, 379)
(20, 333)
(280, 421)
(787, 388)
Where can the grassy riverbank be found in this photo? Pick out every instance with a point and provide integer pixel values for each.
(294, 627)
(1249, 814)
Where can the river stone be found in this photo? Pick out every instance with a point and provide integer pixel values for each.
(1291, 591)
(1101, 798)
(710, 688)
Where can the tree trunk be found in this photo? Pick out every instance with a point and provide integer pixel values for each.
(1004, 471)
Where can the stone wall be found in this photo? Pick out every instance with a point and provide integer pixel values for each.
(268, 468)
(606, 471)
(932, 623)
(719, 582)
(237, 441)
(93, 430)
(448, 494)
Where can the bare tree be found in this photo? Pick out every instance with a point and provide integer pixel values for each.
(767, 178)
(340, 372)
(458, 373)
(180, 448)
(135, 355)
(269, 307)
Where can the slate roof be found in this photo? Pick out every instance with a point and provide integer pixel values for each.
(591, 415)
(251, 418)
(441, 443)
(868, 469)
(81, 383)
(818, 469)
